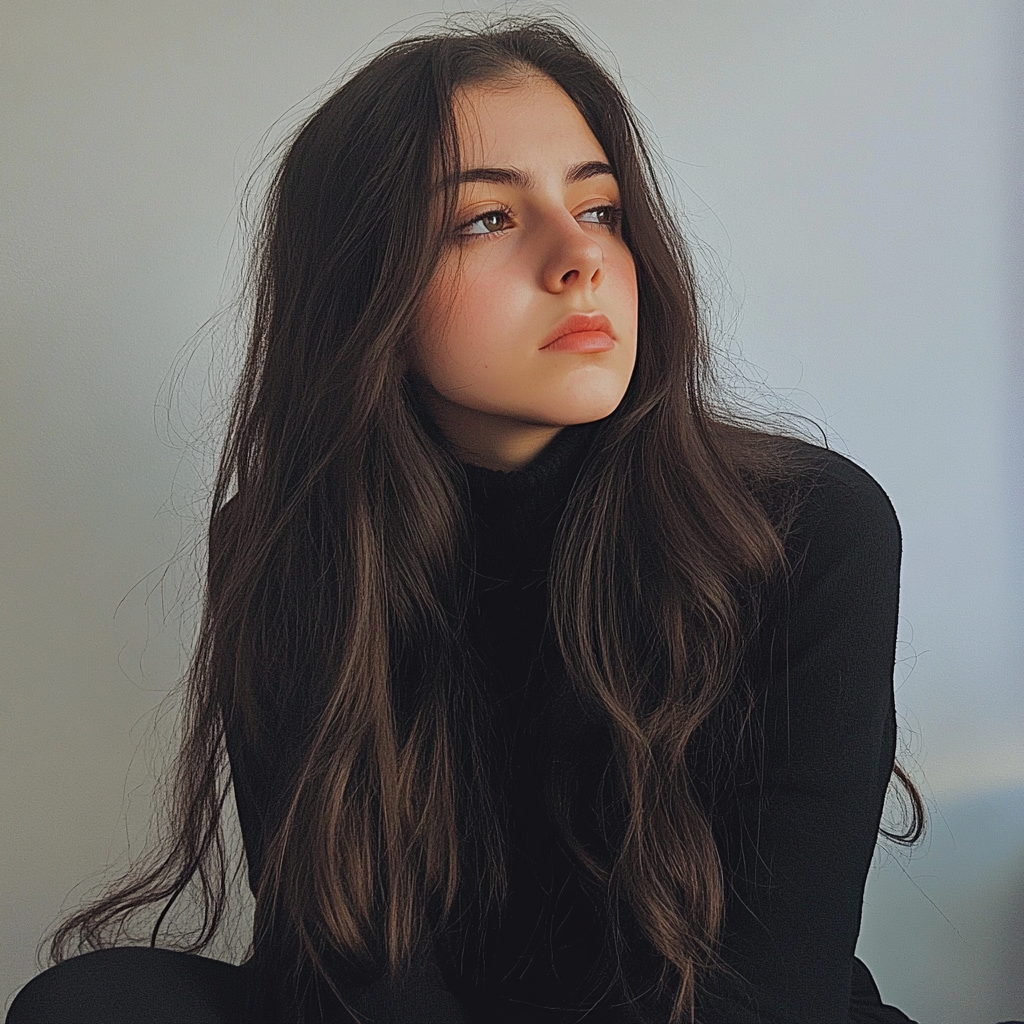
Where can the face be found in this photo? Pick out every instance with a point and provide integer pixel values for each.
(538, 240)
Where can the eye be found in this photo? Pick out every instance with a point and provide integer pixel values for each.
(608, 216)
(491, 222)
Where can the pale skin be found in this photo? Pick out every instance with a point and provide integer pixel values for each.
(530, 250)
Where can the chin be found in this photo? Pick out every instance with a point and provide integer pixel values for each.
(589, 411)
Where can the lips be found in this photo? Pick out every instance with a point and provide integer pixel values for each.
(580, 323)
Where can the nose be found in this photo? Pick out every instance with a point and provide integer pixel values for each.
(574, 256)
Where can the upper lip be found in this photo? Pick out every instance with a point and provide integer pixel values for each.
(576, 322)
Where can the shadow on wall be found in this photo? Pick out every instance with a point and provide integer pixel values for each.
(943, 925)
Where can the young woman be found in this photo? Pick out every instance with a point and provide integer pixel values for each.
(547, 689)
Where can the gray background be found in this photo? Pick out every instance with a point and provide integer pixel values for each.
(851, 177)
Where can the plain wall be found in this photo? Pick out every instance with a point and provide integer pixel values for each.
(851, 177)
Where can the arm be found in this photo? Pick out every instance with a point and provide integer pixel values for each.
(796, 845)
(259, 777)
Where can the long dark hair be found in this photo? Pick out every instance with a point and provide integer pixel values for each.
(345, 539)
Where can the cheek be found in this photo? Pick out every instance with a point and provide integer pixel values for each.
(471, 320)
(453, 331)
(434, 323)
(628, 276)
(480, 314)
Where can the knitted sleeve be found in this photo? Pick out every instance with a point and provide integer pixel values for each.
(797, 841)
(273, 992)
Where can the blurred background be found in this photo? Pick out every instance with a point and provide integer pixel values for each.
(850, 175)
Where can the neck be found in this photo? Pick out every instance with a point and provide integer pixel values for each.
(483, 439)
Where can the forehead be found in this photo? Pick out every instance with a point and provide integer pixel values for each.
(512, 122)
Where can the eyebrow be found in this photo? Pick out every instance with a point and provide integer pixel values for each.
(522, 180)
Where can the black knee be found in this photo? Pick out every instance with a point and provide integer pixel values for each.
(131, 985)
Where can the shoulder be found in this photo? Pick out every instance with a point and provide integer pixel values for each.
(224, 519)
(223, 545)
(837, 508)
(223, 535)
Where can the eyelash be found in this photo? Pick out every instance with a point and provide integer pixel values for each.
(616, 214)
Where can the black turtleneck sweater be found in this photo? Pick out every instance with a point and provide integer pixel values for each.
(795, 836)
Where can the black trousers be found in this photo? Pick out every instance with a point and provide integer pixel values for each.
(137, 985)
(132, 985)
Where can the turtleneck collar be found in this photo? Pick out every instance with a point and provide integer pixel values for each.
(515, 514)
(546, 470)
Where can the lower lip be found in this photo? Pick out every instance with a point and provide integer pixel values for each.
(582, 341)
